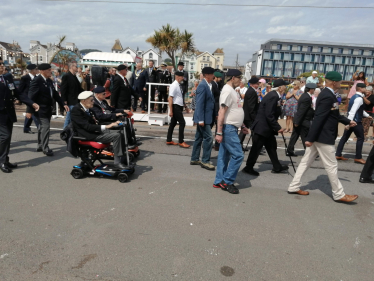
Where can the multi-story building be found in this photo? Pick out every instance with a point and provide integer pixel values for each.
(290, 58)
(10, 52)
(190, 63)
(40, 53)
(215, 60)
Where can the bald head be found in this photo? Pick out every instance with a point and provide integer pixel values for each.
(139, 65)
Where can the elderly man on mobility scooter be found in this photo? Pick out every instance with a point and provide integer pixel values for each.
(86, 125)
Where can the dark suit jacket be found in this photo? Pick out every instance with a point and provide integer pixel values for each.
(40, 93)
(70, 88)
(305, 111)
(121, 93)
(324, 128)
(153, 77)
(84, 124)
(250, 106)
(204, 110)
(103, 112)
(184, 82)
(216, 93)
(266, 122)
(24, 84)
(7, 110)
(140, 83)
(164, 77)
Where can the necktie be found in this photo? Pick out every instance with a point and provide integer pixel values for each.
(1, 79)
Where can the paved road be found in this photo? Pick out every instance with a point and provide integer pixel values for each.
(168, 223)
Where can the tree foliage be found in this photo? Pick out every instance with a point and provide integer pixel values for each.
(171, 40)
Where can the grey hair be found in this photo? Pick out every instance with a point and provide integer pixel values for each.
(70, 64)
(317, 90)
(302, 79)
(274, 89)
(369, 88)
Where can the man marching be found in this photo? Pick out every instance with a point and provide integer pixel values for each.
(321, 140)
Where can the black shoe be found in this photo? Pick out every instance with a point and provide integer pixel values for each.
(10, 165)
(139, 143)
(291, 154)
(5, 168)
(244, 148)
(120, 166)
(250, 171)
(283, 170)
(363, 180)
(48, 152)
(229, 188)
(28, 132)
(39, 149)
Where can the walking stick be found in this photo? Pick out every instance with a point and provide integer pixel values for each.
(248, 141)
(285, 144)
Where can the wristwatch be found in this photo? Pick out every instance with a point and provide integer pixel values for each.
(219, 134)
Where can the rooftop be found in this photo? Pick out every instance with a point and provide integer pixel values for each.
(320, 43)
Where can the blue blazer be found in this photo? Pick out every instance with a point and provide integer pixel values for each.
(204, 109)
(140, 83)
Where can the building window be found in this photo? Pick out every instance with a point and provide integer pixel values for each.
(202, 66)
(218, 58)
(320, 49)
(38, 48)
(203, 57)
(150, 55)
(310, 48)
(277, 56)
(128, 52)
(360, 52)
(297, 57)
(299, 48)
(317, 58)
(208, 58)
(191, 66)
(192, 58)
(266, 55)
(206, 65)
(191, 76)
(338, 60)
(340, 50)
(330, 50)
(289, 47)
(350, 51)
(279, 46)
(287, 56)
(307, 57)
(40, 58)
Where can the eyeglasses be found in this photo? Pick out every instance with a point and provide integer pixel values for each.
(239, 77)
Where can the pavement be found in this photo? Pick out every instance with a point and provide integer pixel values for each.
(169, 223)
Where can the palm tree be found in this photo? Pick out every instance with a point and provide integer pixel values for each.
(61, 39)
(170, 40)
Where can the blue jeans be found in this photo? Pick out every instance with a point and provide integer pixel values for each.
(28, 122)
(203, 136)
(230, 156)
(67, 117)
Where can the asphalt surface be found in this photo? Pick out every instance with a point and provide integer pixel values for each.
(169, 223)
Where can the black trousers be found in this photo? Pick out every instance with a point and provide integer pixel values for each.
(270, 144)
(6, 130)
(368, 169)
(247, 123)
(299, 131)
(177, 117)
(162, 97)
(153, 90)
(359, 132)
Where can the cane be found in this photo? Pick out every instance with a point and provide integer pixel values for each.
(285, 144)
(248, 141)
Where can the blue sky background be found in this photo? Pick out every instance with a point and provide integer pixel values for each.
(239, 30)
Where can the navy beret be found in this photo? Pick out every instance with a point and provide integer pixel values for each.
(31, 66)
(179, 73)
(99, 90)
(44, 66)
(121, 67)
(207, 70)
(279, 82)
(254, 80)
(233, 72)
(181, 63)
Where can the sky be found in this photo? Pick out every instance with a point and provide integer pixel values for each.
(238, 30)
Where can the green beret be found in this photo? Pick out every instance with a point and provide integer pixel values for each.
(218, 74)
(334, 76)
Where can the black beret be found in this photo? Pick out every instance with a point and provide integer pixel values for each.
(207, 70)
(179, 73)
(99, 90)
(44, 66)
(233, 72)
(279, 82)
(181, 63)
(254, 80)
(360, 85)
(121, 67)
(31, 66)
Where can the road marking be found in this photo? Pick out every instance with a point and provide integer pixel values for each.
(164, 138)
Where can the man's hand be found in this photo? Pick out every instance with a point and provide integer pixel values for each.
(219, 138)
(352, 124)
(140, 99)
(144, 89)
(201, 124)
(35, 106)
(66, 108)
(115, 124)
(296, 125)
(119, 114)
(245, 131)
(171, 113)
(281, 131)
(308, 144)
(187, 110)
(126, 111)
(28, 115)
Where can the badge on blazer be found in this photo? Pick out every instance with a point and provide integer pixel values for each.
(11, 86)
(279, 103)
(335, 106)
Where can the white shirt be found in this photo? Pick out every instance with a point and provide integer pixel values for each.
(85, 109)
(45, 79)
(209, 84)
(176, 92)
(235, 113)
(356, 105)
(32, 76)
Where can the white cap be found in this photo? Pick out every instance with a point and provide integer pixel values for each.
(85, 95)
(314, 72)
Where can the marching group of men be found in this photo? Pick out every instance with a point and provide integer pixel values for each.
(92, 116)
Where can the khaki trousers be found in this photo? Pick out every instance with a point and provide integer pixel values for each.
(327, 154)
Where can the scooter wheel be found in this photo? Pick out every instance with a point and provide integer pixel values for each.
(131, 157)
(123, 177)
(77, 173)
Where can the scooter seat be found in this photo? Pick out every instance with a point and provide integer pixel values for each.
(97, 145)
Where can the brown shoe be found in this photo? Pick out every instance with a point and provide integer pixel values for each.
(300, 192)
(360, 161)
(341, 158)
(143, 111)
(184, 145)
(347, 198)
(216, 148)
(171, 143)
